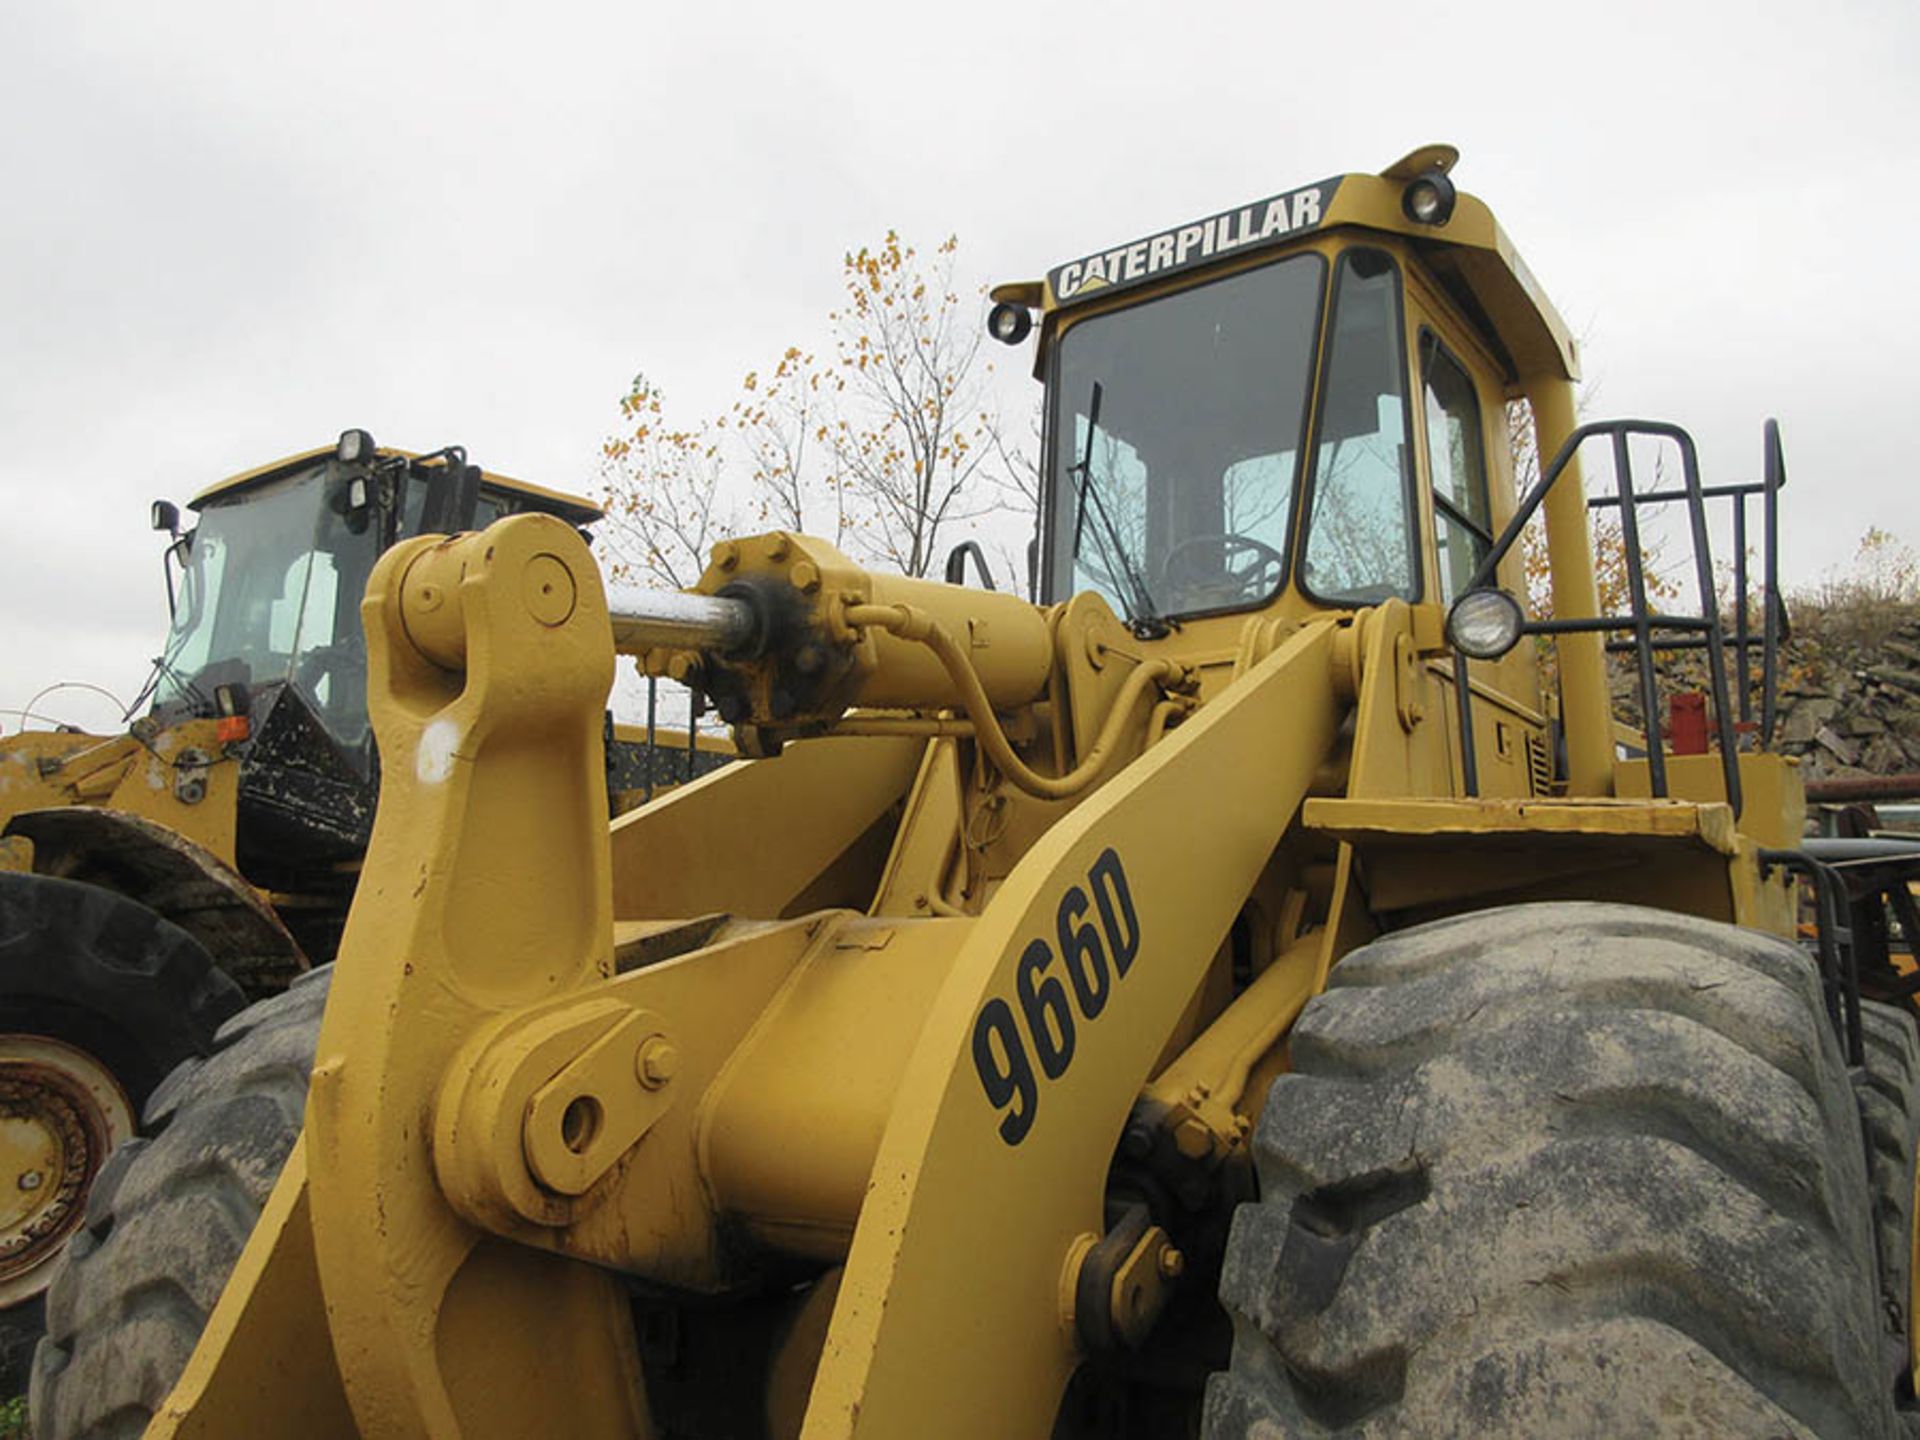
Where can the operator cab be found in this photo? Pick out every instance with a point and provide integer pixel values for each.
(266, 626)
(1300, 402)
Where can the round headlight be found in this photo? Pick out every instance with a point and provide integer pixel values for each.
(1485, 624)
(1428, 199)
(1009, 324)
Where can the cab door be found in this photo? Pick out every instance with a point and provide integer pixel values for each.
(1468, 485)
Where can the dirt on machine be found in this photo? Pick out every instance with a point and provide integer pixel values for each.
(1247, 991)
(154, 882)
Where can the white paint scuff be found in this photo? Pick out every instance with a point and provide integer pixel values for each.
(434, 761)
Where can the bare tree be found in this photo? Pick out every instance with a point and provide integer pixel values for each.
(915, 428)
(880, 446)
(665, 498)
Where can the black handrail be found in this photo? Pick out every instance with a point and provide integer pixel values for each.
(1773, 480)
(1833, 945)
(1705, 629)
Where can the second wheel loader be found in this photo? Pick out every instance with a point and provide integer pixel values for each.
(1232, 996)
(153, 882)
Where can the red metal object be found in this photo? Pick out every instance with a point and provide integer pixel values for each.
(1687, 722)
(231, 728)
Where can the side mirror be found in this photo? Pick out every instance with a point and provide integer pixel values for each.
(165, 515)
(357, 505)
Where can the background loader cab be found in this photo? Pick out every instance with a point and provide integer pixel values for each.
(267, 639)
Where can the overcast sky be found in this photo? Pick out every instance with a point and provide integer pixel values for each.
(229, 231)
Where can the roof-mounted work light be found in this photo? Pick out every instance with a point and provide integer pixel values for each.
(1428, 198)
(354, 447)
(1009, 324)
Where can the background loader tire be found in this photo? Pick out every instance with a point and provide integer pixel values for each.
(1570, 1170)
(99, 999)
(1889, 1094)
(168, 1219)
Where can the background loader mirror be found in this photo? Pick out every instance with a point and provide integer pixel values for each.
(359, 498)
(165, 515)
(453, 495)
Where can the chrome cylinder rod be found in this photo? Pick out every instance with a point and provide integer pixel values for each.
(675, 620)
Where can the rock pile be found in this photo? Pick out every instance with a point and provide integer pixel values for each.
(1849, 690)
(1850, 703)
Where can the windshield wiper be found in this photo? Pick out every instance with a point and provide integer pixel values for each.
(196, 699)
(1141, 616)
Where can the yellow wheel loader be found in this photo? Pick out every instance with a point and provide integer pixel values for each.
(152, 882)
(1229, 997)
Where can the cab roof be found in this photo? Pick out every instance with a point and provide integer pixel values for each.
(574, 509)
(1469, 253)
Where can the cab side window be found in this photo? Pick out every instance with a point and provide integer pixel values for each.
(1362, 538)
(1463, 515)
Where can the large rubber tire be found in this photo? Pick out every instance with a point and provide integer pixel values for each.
(134, 995)
(1573, 1170)
(168, 1219)
(1889, 1094)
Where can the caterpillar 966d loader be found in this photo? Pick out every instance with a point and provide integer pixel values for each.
(152, 882)
(1227, 997)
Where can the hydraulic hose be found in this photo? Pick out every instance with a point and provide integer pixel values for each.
(909, 623)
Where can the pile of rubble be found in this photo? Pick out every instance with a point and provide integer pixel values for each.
(1850, 696)
(1849, 689)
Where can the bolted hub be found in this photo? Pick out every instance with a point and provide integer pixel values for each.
(1121, 1282)
(60, 1113)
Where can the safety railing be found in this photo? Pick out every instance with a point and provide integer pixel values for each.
(1833, 949)
(1647, 631)
(1741, 639)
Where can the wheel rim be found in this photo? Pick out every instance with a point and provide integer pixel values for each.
(61, 1112)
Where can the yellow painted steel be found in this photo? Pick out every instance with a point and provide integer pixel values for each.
(1586, 705)
(818, 1076)
(575, 507)
(1774, 795)
(263, 1333)
(1498, 279)
(180, 776)
(756, 838)
(652, 1212)
(952, 1209)
(505, 761)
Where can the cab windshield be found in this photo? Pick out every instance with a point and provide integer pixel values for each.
(1179, 436)
(271, 591)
